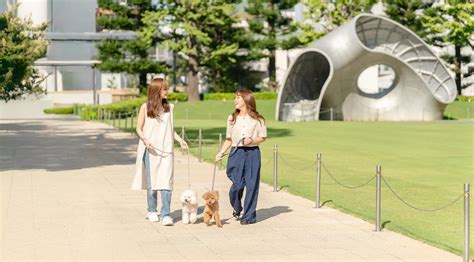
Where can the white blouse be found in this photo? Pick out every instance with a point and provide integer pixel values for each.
(245, 126)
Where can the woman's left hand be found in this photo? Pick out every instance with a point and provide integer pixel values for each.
(248, 141)
(183, 144)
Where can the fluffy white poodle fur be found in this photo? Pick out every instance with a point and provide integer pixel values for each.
(189, 202)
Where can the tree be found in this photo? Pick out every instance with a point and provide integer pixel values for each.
(130, 56)
(202, 32)
(408, 13)
(329, 15)
(450, 23)
(21, 44)
(272, 29)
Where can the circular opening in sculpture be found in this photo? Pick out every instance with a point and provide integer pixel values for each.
(376, 79)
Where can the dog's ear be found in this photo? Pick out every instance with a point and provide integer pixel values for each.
(204, 195)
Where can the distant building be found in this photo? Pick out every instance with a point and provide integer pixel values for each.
(72, 35)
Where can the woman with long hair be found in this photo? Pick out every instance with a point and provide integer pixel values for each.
(154, 163)
(245, 131)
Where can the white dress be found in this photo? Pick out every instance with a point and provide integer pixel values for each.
(160, 132)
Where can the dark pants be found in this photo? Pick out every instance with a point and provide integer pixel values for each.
(243, 169)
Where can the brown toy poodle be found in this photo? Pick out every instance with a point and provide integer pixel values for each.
(212, 207)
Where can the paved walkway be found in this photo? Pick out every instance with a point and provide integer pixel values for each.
(65, 195)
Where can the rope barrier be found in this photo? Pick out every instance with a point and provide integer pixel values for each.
(346, 186)
(297, 169)
(189, 140)
(417, 208)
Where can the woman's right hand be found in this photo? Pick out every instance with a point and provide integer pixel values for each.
(148, 144)
(219, 156)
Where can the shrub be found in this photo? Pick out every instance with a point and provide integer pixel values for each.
(181, 97)
(124, 107)
(230, 96)
(465, 98)
(265, 95)
(219, 96)
(59, 110)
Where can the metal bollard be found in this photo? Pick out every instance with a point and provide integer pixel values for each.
(220, 146)
(467, 195)
(119, 120)
(108, 121)
(113, 120)
(126, 122)
(182, 136)
(378, 170)
(318, 181)
(200, 146)
(275, 168)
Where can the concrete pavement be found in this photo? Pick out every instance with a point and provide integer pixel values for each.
(65, 195)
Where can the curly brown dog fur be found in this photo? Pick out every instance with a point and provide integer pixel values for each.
(212, 207)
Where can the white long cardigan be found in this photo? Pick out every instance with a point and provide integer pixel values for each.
(160, 132)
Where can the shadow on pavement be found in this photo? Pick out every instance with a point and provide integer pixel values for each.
(61, 145)
(266, 213)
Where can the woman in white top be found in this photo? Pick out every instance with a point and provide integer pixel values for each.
(154, 163)
(245, 131)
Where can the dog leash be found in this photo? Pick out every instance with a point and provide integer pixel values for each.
(189, 172)
(215, 164)
(214, 174)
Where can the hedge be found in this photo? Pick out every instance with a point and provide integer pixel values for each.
(122, 107)
(59, 110)
(465, 98)
(230, 96)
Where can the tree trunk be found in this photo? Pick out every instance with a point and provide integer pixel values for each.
(457, 63)
(272, 65)
(142, 83)
(192, 79)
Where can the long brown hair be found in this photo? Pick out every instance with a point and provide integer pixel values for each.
(249, 101)
(156, 104)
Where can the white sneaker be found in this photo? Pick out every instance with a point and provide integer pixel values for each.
(153, 217)
(167, 221)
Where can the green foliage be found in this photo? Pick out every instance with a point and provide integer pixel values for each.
(330, 15)
(59, 110)
(181, 97)
(452, 22)
(265, 95)
(219, 96)
(21, 43)
(465, 98)
(124, 107)
(230, 96)
(130, 56)
(407, 13)
(204, 33)
(272, 29)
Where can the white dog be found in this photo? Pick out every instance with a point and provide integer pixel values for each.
(189, 202)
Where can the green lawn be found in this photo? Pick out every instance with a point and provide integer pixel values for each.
(425, 163)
